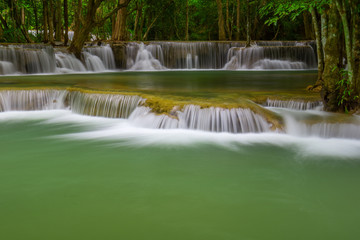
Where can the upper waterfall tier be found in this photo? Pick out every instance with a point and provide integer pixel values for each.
(154, 56)
(36, 58)
(218, 55)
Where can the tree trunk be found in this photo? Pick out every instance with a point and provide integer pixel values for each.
(228, 29)
(308, 28)
(356, 43)
(348, 45)
(36, 16)
(120, 33)
(222, 35)
(83, 27)
(187, 21)
(319, 47)
(45, 19)
(51, 21)
(141, 27)
(332, 61)
(238, 20)
(248, 25)
(58, 21)
(137, 18)
(66, 22)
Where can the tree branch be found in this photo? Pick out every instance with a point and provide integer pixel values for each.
(119, 6)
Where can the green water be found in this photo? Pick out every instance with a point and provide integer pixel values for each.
(172, 80)
(62, 188)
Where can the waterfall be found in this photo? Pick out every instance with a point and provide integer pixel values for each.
(38, 58)
(66, 62)
(143, 117)
(212, 119)
(7, 68)
(182, 55)
(271, 57)
(31, 100)
(235, 120)
(145, 60)
(104, 105)
(31, 58)
(320, 124)
(220, 55)
(293, 104)
(104, 54)
(324, 130)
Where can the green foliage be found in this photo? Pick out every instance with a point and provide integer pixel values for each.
(346, 96)
(275, 10)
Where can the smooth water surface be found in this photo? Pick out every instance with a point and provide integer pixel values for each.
(173, 80)
(66, 176)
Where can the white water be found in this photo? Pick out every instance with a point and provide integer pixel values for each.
(226, 56)
(32, 59)
(271, 58)
(308, 123)
(294, 104)
(144, 61)
(122, 132)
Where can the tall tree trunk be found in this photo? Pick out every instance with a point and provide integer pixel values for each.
(51, 21)
(307, 25)
(319, 47)
(120, 32)
(36, 16)
(248, 25)
(332, 61)
(355, 8)
(83, 27)
(141, 26)
(228, 29)
(58, 21)
(238, 20)
(222, 35)
(66, 22)
(45, 19)
(340, 4)
(19, 19)
(187, 21)
(137, 18)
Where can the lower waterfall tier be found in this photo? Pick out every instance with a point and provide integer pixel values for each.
(284, 116)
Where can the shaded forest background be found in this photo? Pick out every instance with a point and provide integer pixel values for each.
(146, 20)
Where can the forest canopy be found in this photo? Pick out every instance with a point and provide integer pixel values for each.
(26, 20)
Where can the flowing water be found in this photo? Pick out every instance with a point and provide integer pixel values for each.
(77, 163)
(155, 56)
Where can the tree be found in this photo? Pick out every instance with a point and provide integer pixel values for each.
(340, 82)
(119, 30)
(84, 24)
(222, 35)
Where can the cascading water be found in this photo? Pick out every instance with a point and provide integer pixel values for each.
(104, 105)
(293, 104)
(220, 55)
(235, 120)
(271, 57)
(314, 123)
(214, 119)
(31, 100)
(145, 60)
(32, 59)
